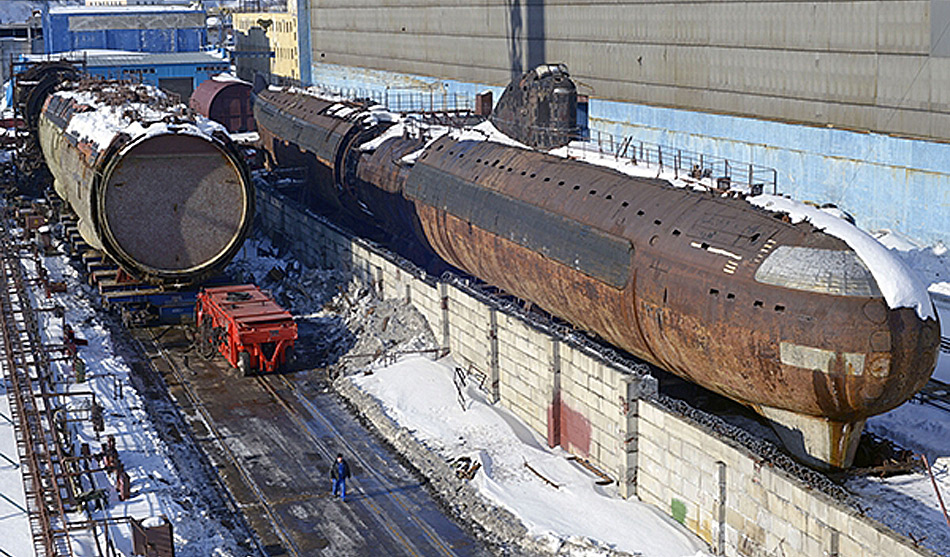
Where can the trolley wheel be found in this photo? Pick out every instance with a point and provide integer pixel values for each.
(205, 342)
(290, 358)
(244, 363)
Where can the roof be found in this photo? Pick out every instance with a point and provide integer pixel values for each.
(209, 89)
(97, 58)
(119, 10)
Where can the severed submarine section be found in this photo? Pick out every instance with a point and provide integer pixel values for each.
(776, 304)
(162, 192)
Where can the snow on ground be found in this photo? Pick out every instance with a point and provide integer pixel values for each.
(908, 503)
(420, 395)
(14, 521)
(932, 264)
(155, 486)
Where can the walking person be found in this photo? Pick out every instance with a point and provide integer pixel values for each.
(339, 472)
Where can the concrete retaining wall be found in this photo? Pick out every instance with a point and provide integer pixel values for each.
(742, 506)
(603, 411)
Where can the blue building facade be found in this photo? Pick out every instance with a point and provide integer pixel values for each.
(177, 72)
(130, 28)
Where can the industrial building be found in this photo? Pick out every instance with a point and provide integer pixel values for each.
(17, 39)
(848, 100)
(134, 2)
(175, 72)
(139, 28)
(269, 44)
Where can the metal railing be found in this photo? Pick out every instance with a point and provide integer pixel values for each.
(719, 172)
(722, 172)
(406, 101)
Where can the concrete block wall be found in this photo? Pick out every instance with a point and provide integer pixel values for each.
(602, 412)
(521, 366)
(742, 506)
(593, 396)
(469, 331)
(526, 372)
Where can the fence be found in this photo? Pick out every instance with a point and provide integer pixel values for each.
(727, 173)
(724, 173)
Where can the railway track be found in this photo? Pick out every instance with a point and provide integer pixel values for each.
(23, 363)
(372, 476)
(208, 423)
(936, 394)
(273, 444)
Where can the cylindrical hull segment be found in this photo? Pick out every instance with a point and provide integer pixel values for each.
(171, 204)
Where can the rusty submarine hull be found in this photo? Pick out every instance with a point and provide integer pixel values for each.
(779, 315)
(163, 193)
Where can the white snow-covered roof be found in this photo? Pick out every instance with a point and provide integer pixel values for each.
(104, 57)
(228, 77)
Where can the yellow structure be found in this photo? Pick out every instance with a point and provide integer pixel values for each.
(256, 34)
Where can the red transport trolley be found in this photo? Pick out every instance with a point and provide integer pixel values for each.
(246, 326)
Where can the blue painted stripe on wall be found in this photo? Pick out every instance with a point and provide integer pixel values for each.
(885, 182)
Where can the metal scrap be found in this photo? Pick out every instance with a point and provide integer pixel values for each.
(465, 468)
(538, 474)
(604, 478)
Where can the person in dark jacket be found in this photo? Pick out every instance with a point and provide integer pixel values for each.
(339, 472)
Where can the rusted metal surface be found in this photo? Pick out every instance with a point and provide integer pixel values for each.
(363, 191)
(225, 102)
(170, 200)
(684, 307)
(540, 109)
(300, 119)
(48, 492)
(453, 176)
(667, 273)
(154, 540)
(34, 85)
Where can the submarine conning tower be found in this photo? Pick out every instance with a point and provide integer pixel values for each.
(778, 305)
(540, 109)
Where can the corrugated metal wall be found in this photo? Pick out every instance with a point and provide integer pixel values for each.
(863, 65)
